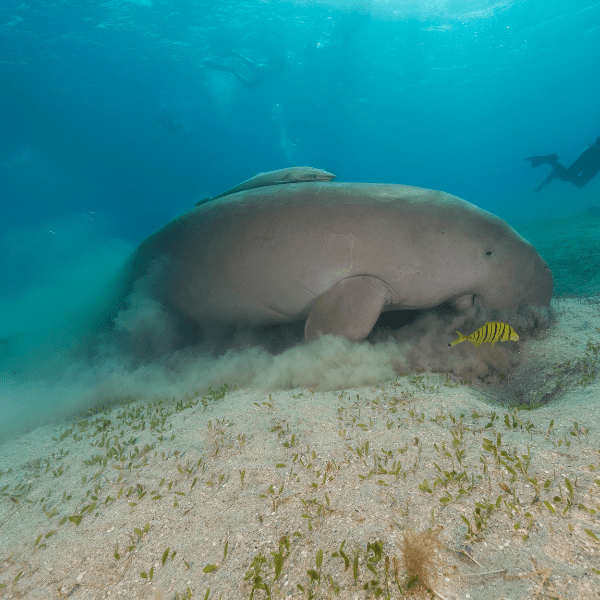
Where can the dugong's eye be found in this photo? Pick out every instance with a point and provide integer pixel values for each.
(488, 253)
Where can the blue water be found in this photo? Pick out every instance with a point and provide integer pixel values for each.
(111, 123)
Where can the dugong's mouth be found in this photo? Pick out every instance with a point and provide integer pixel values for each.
(527, 286)
(462, 303)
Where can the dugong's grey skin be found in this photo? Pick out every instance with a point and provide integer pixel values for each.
(337, 254)
(289, 175)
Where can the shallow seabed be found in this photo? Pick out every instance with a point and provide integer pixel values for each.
(308, 494)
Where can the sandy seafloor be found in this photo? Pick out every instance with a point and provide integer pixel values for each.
(162, 488)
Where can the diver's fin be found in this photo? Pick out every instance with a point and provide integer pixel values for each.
(546, 181)
(536, 161)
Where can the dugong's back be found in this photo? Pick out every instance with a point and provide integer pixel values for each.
(267, 254)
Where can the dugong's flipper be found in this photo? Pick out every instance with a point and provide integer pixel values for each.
(350, 309)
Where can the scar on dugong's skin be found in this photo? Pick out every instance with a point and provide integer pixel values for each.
(337, 255)
(290, 175)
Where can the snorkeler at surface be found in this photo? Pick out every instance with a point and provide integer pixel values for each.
(339, 38)
(586, 167)
(271, 69)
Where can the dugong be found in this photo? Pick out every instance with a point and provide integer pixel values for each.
(337, 255)
(289, 175)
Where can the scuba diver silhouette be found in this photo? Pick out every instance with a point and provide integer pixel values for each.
(271, 69)
(586, 167)
(171, 125)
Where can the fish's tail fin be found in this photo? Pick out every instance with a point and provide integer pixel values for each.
(459, 339)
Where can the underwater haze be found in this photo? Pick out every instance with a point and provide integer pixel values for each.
(117, 116)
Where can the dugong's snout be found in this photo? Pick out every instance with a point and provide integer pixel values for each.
(538, 288)
(527, 280)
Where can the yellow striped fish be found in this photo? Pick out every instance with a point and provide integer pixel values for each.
(493, 331)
